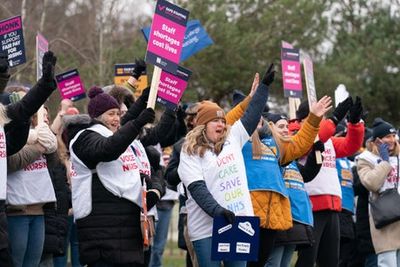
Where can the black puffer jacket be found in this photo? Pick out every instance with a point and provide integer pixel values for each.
(300, 235)
(56, 214)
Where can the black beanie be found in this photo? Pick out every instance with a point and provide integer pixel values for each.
(237, 97)
(274, 117)
(303, 111)
(381, 128)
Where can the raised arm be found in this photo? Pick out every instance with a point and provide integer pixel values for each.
(252, 115)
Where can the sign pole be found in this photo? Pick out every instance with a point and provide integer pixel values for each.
(311, 92)
(155, 80)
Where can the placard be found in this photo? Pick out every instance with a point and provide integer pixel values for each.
(70, 85)
(172, 86)
(12, 40)
(166, 36)
(235, 242)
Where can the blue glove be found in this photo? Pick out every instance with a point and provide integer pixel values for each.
(384, 151)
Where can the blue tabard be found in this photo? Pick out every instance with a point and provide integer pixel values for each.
(346, 183)
(300, 203)
(264, 173)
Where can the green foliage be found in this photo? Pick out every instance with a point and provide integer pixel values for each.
(365, 58)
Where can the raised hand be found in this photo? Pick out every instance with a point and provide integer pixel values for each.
(341, 110)
(254, 86)
(146, 116)
(48, 66)
(269, 75)
(356, 111)
(322, 106)
(140, 66)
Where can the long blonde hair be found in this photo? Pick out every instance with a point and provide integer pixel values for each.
(197, 143)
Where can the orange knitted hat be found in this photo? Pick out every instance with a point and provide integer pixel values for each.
(208, 111)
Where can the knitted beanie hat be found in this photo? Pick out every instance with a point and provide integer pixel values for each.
(208, 111)
(100, 102)
(381, 128)
(275, 117)
(237, 97)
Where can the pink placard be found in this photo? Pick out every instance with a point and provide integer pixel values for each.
(166, 38)
(10, 25)
(42, 46)
(291, 75)
(171, 87)
(70, 85)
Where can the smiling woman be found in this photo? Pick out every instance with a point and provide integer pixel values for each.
(107, 186)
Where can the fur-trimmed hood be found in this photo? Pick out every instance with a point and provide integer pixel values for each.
(72, 124)
(121, 94)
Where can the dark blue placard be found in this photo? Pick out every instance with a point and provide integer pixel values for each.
(196, 39)
(172, 12)
(231, 243)
(12, 40)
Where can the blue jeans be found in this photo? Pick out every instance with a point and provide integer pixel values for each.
(389, 259)
(26, 235)
(281, 256)
(202, 248)
(72, 239)
(160, 237)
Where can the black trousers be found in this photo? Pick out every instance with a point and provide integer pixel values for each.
(327, 241)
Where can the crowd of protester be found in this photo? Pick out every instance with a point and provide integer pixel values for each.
(99, 187)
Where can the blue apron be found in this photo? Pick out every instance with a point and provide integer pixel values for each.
(299, 200)
(346, 183)
(264, 173)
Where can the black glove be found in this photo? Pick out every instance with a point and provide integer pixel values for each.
(227, 214)
(3, 62)
(146, 116)
(356, 111)
(341, 110)
(144, 96)
(180, 114)
(140, 67)
(151, 199)
(154, 182)
(319, 146)
(269, 75)
(48, 66)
